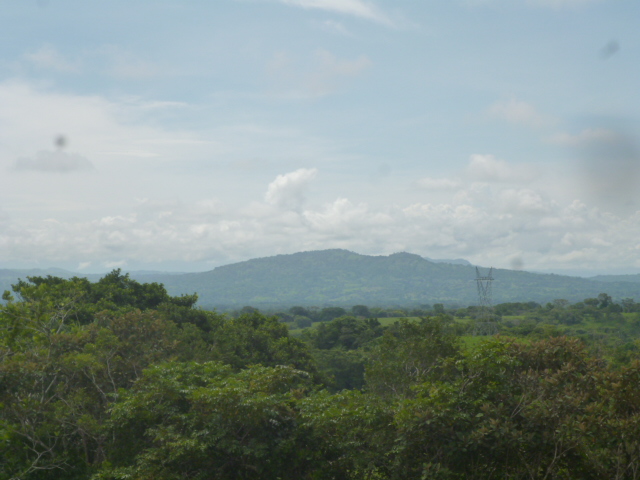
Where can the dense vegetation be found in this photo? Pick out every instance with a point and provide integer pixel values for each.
(119, 380)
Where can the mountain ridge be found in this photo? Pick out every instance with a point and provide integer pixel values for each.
(344, 278)
(341, 277)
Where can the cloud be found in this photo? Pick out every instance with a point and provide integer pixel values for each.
(330, 72)
(47, 57)
(123, 64)
(554, 4)
(53, 162)
(356, 8)
(324, 75)
(523, 201)
(509, 223)
(111, 264)
(102, 129)
(111, 59)
(437, 184)
(332, 26)
(519, 113)
(586, 137)
(288, 190)
(487, 168)
(510, 215)
(557, 4)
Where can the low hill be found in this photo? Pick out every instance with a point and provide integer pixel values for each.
(617, 278)
(344, 278)
(340, 277)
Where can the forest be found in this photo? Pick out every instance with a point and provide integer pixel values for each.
(117, 379)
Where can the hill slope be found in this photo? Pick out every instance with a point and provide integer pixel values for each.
(340, 277)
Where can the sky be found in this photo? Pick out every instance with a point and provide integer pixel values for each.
(184, 135)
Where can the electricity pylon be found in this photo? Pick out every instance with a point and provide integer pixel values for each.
(485, 322)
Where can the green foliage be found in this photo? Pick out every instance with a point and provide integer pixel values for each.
(348, 435)
(409, 353)
(341, 369)
(57, 388)
(78, 300)
(253, 339)
(345, 332)
(69, 350)
(204, 421)
(544, 410)
(117, 380)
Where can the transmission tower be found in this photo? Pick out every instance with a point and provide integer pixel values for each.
(485, 322)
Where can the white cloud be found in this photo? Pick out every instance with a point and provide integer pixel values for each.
(324, 75)
(512, 223)
(523, 201)
(438, 184)
(330, 72)
(49, 58)
(288, 190)
(191, 220)
(32, 118)
(336, 27)
(53, 162)
(554, 4)
(561, 3)
(124, 64)
(331, 66)
(519, 112)
(585, 137)
(115, 264)
(110, 59)
(357, 8)
(342, 218)
(487, 168)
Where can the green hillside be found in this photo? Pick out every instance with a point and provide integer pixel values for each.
(618, 278)
(340, 277)
(344, 278)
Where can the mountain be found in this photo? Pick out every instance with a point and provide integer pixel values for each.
(617, 278)
(457, 261)
(341, 277)
(344, 278)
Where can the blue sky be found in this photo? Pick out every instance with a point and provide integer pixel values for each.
(186, 135)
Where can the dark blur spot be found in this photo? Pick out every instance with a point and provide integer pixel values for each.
(42, 3)
(60, 141)
(517, 263)
(609, 50)
(611, 171)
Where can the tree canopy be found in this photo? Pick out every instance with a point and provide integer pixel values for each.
(119, 380)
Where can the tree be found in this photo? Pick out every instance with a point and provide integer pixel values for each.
(360, 311)
(345, 332)
(409, 353)
(188, 420)
(329, 313)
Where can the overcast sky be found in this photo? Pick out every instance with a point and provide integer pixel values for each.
(183, 135)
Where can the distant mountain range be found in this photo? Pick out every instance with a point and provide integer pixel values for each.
(344, 278)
